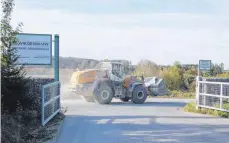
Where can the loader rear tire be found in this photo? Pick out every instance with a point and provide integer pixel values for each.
(126, 99)
(103, 95)
(139, 95)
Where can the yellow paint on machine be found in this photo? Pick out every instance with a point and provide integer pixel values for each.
(83, 77)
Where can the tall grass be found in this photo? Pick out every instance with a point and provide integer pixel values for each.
(191, 107)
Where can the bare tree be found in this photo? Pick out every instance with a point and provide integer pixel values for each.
(146, 68)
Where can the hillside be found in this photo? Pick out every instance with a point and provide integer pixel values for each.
(72, 63)
(80, 63)
(67, 66)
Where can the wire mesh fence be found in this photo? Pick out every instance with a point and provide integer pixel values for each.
(50, 101)
(213, 95)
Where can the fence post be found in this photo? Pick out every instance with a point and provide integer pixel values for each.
(221, 96)
(205, 91)
(56, 57)
(42, 106)
(197, 92)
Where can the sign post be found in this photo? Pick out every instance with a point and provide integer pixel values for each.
(204, 65)
(36, 49)
(56, 57)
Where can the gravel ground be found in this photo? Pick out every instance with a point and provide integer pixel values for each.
(156, 121)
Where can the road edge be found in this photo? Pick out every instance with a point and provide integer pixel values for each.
(54, 140)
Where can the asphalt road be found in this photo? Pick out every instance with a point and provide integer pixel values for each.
(156, 121)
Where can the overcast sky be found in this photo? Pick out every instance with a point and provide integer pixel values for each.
(159, 30)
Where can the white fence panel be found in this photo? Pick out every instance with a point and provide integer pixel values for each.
(213, 95)
(50, 104)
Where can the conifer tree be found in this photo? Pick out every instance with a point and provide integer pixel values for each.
(13, 78)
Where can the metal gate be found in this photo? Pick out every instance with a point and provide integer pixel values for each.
(50, 104)
(212, 95)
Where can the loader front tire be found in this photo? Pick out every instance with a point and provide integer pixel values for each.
(139, 95)
(103, 95)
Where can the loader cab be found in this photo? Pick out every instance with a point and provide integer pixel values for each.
(118, 69)
(114, 68)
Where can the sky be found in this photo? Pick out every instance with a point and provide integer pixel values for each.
(163, 31)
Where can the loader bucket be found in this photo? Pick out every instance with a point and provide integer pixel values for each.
(156, 86)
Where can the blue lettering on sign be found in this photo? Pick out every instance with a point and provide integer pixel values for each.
(34, 43)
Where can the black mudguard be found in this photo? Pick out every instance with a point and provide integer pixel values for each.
(131, 88)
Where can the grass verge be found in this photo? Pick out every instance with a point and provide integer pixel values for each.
(178, 95)
(191, 107)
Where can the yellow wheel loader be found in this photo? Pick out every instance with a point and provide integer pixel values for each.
(111, 80)
(107, 82)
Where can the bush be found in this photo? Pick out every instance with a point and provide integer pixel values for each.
(23, 127)
(191, 107)
(172, 77)
(146, 68)
(223, 75)
(14, 124)
(35, 91)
